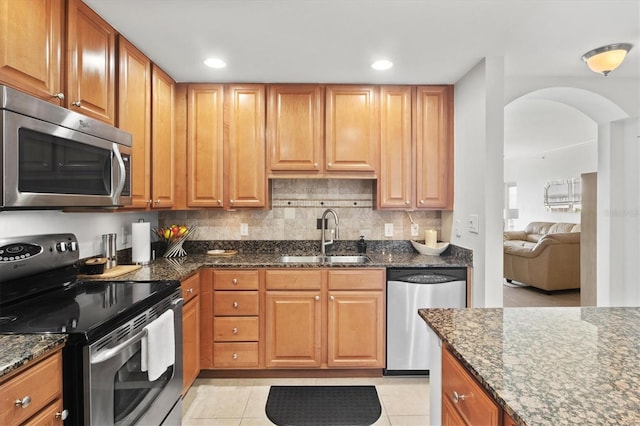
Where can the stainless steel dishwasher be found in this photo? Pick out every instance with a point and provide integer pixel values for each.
(409, 289)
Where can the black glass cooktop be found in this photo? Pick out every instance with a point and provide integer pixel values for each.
(84, 307)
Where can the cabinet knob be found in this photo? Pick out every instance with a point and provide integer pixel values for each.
(421, 201)
(317, 297)
(235, 305)
(329, 165)
(190, 290)
(76, 104)
(234, 356)
(62, 415)
(157, 202)
(234, 330)
(234, 281)
(58, 96)
(231, 201)
(332, 298)
(219, 202)
(407, 202)
(315, 165)
(150, 202)
(458, 397)
(24, 402)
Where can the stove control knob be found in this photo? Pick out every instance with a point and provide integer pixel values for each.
(73, 245)
(61, 247)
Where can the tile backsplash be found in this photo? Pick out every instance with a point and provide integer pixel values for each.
(296, 206)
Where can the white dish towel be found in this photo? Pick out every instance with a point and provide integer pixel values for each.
(158, 346)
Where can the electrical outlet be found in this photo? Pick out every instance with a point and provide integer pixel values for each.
(415, 230)
(473, 223)
(388, 229)
(244, 229)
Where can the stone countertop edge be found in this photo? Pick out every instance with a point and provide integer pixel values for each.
(18, 349)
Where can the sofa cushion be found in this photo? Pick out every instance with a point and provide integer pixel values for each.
(560, 228)
(538, 228)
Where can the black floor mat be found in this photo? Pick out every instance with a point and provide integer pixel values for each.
(323, 405)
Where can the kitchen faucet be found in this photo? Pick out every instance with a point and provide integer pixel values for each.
(324, 241)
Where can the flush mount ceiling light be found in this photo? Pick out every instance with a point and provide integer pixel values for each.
(382, 65)
(605, 59)
(215, 63)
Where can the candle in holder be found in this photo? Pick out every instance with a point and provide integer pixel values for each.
(430, 237)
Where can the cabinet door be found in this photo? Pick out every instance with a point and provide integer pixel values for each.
(190, 342)
(352, 138)
(134, 116)
(294, 127)
(91, 57)
(450, 416)
(247, 185)
(205, 145)
(356, 329)
(293, 329)
(394, 182)
(163, 148)
(31, 47)
(433, 124)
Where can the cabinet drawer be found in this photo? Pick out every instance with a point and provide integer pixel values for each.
(49, 416)
(356, 279)
(473, 404)
(296, 279)
(42, 383)
(235, 355)
(235, 329)
(235, 303)
(235, 280)
(190, 287)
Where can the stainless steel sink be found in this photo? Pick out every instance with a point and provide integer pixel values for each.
(359, 259)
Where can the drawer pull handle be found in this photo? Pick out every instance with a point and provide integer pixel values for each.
(317, 297)
(235, 330)
(24, 402)
(62, 415)
(234, 281)
(235, 305)
(234, 356)
(458, 397)
(190, 290)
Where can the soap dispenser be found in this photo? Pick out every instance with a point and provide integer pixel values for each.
(362, 245)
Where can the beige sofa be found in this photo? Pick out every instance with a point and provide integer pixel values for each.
(545, 255)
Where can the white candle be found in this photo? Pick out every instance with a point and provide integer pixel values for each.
(430, 237)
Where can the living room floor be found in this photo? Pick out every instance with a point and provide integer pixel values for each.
(241, 402)
(518, 295)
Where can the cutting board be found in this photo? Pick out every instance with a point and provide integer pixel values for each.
(116, 271)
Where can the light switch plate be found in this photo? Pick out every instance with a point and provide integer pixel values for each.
(473, 223)
(388, 229)
(415, 230)
(244, 229)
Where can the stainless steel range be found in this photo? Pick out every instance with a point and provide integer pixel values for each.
(107, 369)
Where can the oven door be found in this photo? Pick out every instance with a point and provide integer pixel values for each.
(120, 393)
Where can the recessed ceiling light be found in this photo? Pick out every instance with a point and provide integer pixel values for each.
(215, 63)
(382, 65)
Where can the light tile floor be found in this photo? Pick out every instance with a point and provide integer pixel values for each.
(241, 402)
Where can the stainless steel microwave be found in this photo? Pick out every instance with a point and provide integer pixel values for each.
(54, 158)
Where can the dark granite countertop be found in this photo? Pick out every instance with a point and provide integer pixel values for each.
(547, 366)
(18, 349)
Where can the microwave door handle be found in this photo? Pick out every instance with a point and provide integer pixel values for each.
(120, 171)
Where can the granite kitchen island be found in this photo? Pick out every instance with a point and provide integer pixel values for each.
(549, 366)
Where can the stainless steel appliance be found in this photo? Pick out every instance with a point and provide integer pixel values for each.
(409, 289)
(103, 381)
(52, 157)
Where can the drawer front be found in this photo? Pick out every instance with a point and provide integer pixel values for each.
(357, 279)
(235, 280)
(235, 303)
(42, 383)
(190, 287)
(235, 329)
(472, 402)
(49, 416)
(294, 279)
(235, 355)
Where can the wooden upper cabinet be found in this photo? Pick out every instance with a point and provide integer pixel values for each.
(205, 159)
(246, 144)
(91, 57)
(394, 187)
(352, 123)
(295, 115)
(31, 36)
(163, 158)
(134, 116)
(433, 127)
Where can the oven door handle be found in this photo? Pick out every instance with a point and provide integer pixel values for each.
(110, 353)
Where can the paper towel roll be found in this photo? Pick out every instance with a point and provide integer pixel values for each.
(430, 237)
(141, 242)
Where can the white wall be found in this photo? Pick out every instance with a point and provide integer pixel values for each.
(478, 128)
(87, 227)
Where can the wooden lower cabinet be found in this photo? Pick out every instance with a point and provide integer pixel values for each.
(450, 416)
(190, 331)
(41, 382)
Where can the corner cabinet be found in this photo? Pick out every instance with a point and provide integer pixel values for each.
(31, 42)
(91, 57)
(163, 146)
(190, 288)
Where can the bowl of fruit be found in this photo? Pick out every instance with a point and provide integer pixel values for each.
(174, 235)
